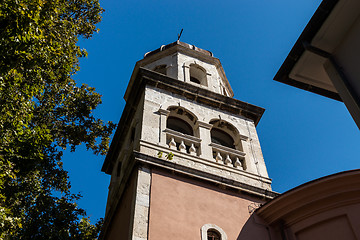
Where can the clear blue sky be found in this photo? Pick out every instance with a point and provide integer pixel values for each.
(303, 136)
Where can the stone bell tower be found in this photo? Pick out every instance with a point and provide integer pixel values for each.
(185, 161)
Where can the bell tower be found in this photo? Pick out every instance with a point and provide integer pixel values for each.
(185, 161)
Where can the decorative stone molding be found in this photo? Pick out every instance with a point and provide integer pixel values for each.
(222, 148)
(211, 171)
(163, 115)
(243, 137)
(204, 134)
(208, 226)
(185, 137)
(204, 124)
(163, 112)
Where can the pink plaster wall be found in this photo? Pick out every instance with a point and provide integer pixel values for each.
(180, 206)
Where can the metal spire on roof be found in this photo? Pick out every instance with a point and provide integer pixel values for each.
(179, 35)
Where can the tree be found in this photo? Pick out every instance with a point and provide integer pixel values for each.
(43, 111)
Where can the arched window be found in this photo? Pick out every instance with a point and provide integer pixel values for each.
(212, 234)
(226, 144)
(198, 74)
(225, 134)
(220, 137)
(179, 125)
(181, 132)
(160, 69)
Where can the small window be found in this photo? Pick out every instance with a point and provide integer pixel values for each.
(179, 125)
(212, 234)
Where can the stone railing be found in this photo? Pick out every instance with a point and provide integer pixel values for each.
(182, 142)
(228, 156)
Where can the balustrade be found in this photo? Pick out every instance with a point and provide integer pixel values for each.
(191, 145)
(182, 142)
(228, 156)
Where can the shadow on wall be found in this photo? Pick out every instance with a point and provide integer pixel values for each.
(255, 228)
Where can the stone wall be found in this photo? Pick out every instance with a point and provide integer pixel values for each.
(178, 67)
(154, 130)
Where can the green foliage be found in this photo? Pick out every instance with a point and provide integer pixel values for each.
(42, 112)
(168, 156)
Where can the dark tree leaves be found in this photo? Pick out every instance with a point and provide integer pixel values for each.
(42, 112)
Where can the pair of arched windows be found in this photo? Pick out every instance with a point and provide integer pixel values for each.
(220, 133)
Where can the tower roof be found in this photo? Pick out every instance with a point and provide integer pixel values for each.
(186, 49)
(186, 45)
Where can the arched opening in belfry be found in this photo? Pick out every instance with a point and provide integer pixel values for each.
(179, 125)
(225, 134)
(198, 74)
(218, 136)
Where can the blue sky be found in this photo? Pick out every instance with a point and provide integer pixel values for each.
(303, 136)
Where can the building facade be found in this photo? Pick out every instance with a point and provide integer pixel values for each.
(185, 161)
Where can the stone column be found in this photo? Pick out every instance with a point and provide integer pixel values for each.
(162, 135)
(142, 203)
(186, 73)
(205, 136)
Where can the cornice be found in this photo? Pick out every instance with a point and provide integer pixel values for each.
(204, 176)
(200, 95)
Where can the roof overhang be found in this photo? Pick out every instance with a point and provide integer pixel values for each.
(325, 58)
(320, 195)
